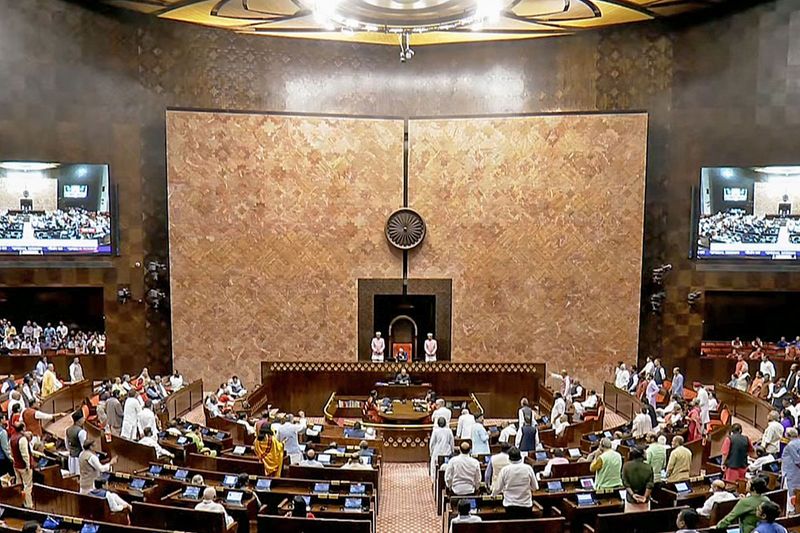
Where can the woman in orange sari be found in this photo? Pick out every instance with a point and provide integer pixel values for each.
(269, 450)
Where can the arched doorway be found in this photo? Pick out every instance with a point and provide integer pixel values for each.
(403, 335)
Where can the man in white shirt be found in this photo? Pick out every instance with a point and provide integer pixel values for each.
(557, 459)
(702, 400)
(378, 346)
(718, 494)
(9, 384)
(115, 503)
(565, 382)
(431, 347)
(441, 412)
(767, 367)
(62, 330)
(771, 440)
(41, 368)
(150, 440)
(622, 377)
(311, 460)
(147, 419)
(757, 464)
(559, 408)
(464, 516)
(441, 443)
(130, 417)
(176, 381)
(589, 403)
(508, 432)
(463, 473)
(648, 367)
(515, 483)
(15, 398)
(465, 422)
(75, 371)
(208, 504)
(642, 424)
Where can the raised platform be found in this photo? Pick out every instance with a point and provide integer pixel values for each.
(308, 385)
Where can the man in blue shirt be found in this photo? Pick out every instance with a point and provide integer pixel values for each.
(768, 512)
(790, 465)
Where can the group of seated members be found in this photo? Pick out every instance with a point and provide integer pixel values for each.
(756, 349)
(737, 227)
(33, 339)
(72, 223)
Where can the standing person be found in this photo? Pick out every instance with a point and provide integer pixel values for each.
(703, 402)
(441, 411)
(622, 376)
(465, 422)
(431, 347)
(676, 389)
(637, 478)
(771, 439)
(790, 467)
(524, 412)
(287, 434)
(21, 454)
(76, 371)
(269, 450)
(75, 437)
(652, 390)
(606, 465)
(147, 419)
(642, 424)
(50, 382)
(496, 464)
(6, 460)
(441, 443)
(680, 461)
(735, 449)
(463, 473)
(559, 407)
(516, 482)
(656, 455)
(480, 438)
(378, 346)
(767, 367)
(745, 510)
(130, 417)
(90, 467)
(114, 413)
(526, 440)
(658, 372)
(34, 418)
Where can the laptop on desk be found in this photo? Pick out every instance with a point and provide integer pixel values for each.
(682, 487)
(234, 497)
(585, 499)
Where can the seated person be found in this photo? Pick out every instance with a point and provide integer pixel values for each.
(242, 421)
(354, 463)
(208, 504)
(464, 516)
(115, 503)
(402, 356)
(718, 494)
(236, 387)
(149, 440)
(333, 449)
(762, 458)
(744, 512)
(364, 449)
(402, 378)
(557, 459)
(356, 432)
(299, 508)
(311, 459)
(767, 513)
(687, 521)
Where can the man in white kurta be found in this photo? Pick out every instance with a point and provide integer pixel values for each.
(431, 346)
(441, 412)
(465, 422)
(565, 382)
(378, 348)
(559, 408)
(130, 417)
(702, 399)
(622, 377)
(441, 443)
(76, 371)
(147, 419)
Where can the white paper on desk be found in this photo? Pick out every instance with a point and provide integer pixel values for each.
(311, 433)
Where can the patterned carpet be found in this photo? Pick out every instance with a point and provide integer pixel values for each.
(407, 503)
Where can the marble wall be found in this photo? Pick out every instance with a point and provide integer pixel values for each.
(539, 221)
(272, 221)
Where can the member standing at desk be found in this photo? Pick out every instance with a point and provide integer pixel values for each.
(463, 473)
(441, 443)
(441, 412)
(378, 346)
(516, 482)
(465, 422)
(431, 347)
(479, 437)
(402, 378)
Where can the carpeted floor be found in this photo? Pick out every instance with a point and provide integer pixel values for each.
(407, 503)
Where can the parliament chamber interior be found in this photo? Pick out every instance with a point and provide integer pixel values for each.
(399, 266)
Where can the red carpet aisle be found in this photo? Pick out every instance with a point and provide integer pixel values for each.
(407, 504)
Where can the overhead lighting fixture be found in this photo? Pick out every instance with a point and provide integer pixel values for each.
(27, 166)
(779, 170)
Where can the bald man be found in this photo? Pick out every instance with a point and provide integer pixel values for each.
(718, 494)
(463, 472)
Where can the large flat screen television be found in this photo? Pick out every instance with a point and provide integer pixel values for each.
(55, 209)
(749, 213)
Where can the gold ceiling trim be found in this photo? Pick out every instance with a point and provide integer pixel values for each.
(519, 19)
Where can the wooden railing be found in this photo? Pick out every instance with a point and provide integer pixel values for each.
(752, 410)
(183, 401)
(621, 402)
(68, 398)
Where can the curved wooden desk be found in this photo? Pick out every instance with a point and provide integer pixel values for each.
(404, 413)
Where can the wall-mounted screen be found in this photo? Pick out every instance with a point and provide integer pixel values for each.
(749, 213)
(54, 209)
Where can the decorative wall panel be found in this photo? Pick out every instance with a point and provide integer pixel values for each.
(538, 220)
(272, 221)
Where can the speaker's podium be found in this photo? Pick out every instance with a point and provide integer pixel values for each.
(401, 351)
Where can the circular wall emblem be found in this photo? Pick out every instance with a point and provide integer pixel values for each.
(405, 229)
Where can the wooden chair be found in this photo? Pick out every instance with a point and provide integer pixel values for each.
(178, 519)
(539, 525)
(653, 521)
(290, 524)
